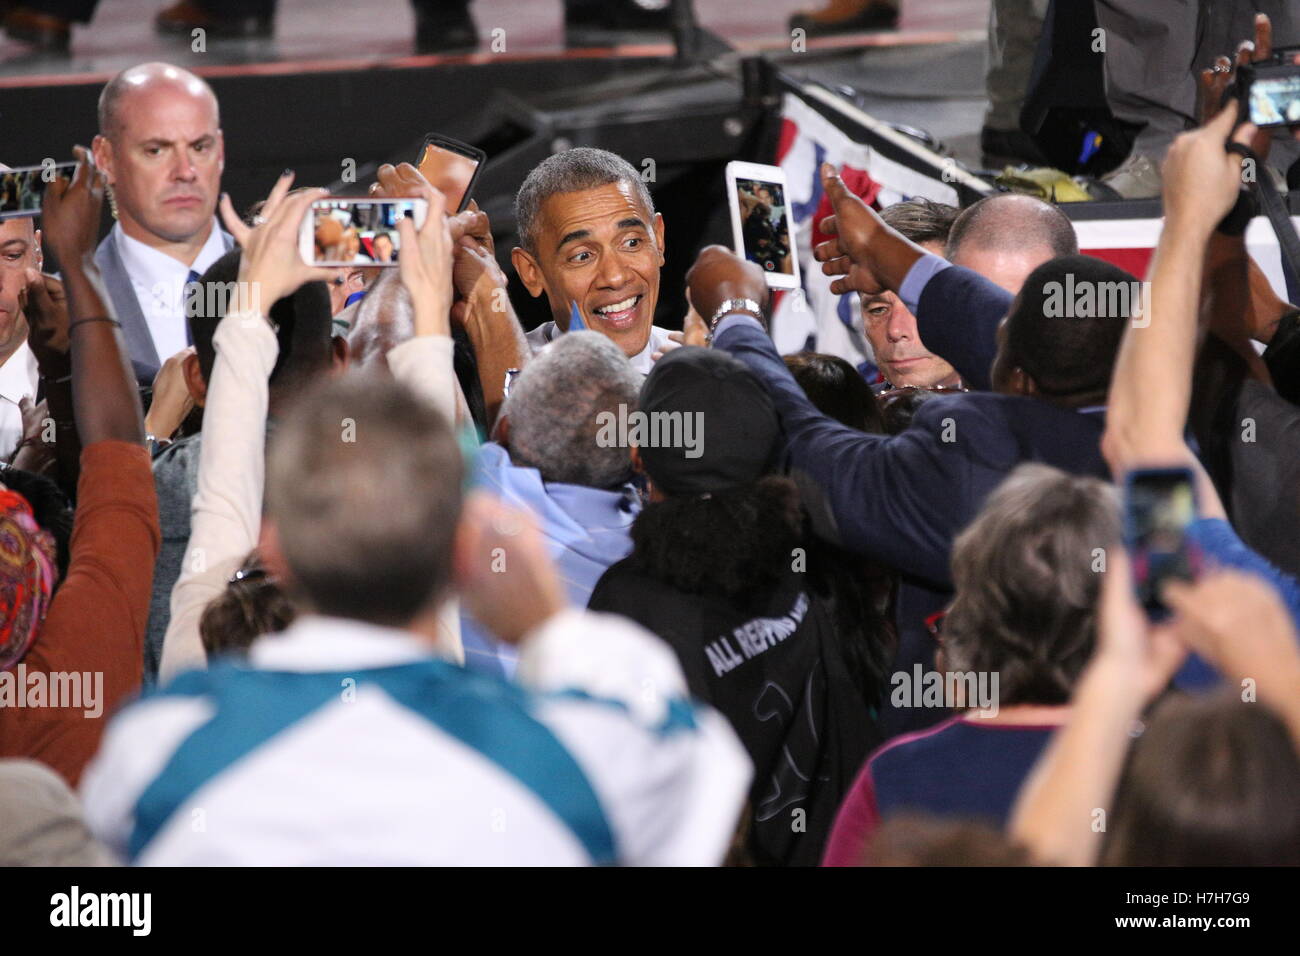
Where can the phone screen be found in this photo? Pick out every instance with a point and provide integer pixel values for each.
(450, 171)
(1275, 97)
(765, 225)
(359, 231)
(21, 190)
(1158, 507)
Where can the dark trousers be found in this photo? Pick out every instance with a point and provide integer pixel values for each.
(80, 11)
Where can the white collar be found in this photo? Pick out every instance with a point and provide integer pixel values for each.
(643, 361)
(148, 267)
(318, 643)
(18, 374)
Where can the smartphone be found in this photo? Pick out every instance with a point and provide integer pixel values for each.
(760, 221)
(452, 166)
(21, 190)
(1159, 504)
(357, 232)
(1274, 96)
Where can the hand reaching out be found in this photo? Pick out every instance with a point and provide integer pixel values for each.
(172, 400)
(718, 275)
(505, 576)
(867, 254)
(1144, 657)
(45, 305)
(272, 265)
(70, 211)
(1237, 622)
(425, 265)
(1201, 178)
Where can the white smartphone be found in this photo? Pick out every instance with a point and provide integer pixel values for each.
(22, 190)
(760, 221)
(357, 232)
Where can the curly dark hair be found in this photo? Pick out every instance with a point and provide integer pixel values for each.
(50, 508)
(736, 543)
(1027, 575)
(251, 605)
(1211, 782)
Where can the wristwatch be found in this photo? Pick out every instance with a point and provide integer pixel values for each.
(734, 307)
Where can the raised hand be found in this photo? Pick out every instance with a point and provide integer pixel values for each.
(1145, 656)
(505, 577)
(1201, 178)
(45, 305)
(237, 227)
(425, 264)
(718, 275)
(70, 211)
(1237, 622)
(272, 265)
(868, 255)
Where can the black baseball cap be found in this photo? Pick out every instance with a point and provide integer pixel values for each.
(738, 433)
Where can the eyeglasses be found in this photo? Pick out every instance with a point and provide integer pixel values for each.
(254, 575)
(934, 624)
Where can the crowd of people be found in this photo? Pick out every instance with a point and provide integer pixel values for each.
(375, 576)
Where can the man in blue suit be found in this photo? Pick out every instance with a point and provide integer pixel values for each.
(902, 499)
(160, 146)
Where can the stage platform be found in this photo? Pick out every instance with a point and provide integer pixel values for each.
(310, 34)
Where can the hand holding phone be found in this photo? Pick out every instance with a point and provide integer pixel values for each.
(452, 166)
(761, 223)
(340, 232)
(1159, 504)
(22, 190)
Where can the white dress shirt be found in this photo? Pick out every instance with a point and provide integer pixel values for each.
(365, 750)
(643, 361)
(18, 377)
(159, 284)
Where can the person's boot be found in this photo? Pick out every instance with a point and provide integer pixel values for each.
(847, 16)
(1138, 177)
(442, 30)
(1009, 147)
(41, 31)
(616, 22)
(186, 16)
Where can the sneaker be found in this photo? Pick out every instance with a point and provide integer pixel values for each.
(41, 31)
(185, 16)
(445, 30)
(1009, 147)
(1138, 177)
(871, 15)
(616, 22)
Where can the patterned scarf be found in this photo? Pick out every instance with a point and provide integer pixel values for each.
(27, 575)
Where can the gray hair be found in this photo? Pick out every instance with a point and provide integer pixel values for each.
(554, 407)
(571, 171)
(363, 484)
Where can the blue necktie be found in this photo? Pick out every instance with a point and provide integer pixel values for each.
(190, 279)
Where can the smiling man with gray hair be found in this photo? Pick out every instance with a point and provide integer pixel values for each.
(593, 243)
(549, 456)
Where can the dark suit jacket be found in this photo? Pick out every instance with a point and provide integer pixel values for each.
(902, 499)
(145, 361)
(957, 318)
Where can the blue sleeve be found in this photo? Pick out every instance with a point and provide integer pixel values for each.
(957, 316)
(889, 497)
(1222, 545)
